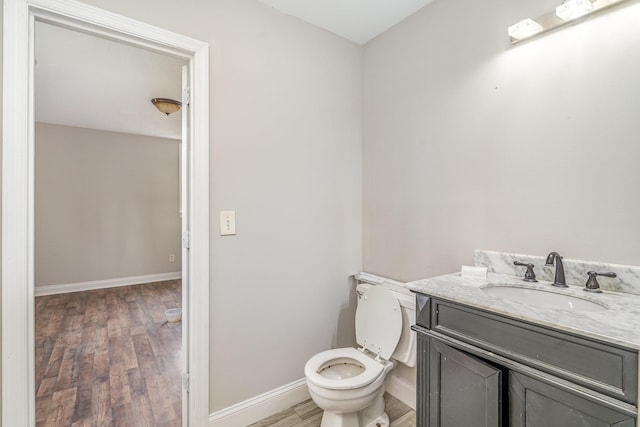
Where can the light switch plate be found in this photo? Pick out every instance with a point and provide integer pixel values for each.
(227, 223)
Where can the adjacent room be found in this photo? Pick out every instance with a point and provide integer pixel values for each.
(107, 233)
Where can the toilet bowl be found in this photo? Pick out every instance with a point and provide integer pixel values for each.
(349, 383)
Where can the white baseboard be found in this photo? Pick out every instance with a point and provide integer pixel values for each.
(102, 284)
(259, 407)
(403, 391)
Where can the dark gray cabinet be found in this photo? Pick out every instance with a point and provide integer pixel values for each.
(608, 369)
(467, 391)
(480, 369)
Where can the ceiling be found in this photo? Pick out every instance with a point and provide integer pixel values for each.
(90, 82)
(356, 20)
(86, 81)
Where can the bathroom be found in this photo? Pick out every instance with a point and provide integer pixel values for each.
(399, 158)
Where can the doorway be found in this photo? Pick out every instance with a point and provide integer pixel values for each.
(107, 232)
(18, 394)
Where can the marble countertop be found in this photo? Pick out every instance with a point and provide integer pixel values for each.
(619, 324)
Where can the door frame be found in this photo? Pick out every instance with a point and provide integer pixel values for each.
(18, 361)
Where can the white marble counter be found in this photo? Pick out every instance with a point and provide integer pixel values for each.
(619, 324)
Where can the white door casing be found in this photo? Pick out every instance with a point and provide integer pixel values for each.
(184, 201)
(18, 383)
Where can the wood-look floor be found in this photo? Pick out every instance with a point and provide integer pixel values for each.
(307, 414)
(109, 358)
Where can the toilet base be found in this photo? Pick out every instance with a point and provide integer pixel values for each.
(380, 421)
(374, 415)
(330, 419)
(371, 416)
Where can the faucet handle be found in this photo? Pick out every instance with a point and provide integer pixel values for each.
(592, 284)
(529, 275)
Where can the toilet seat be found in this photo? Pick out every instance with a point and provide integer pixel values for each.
(372, 369)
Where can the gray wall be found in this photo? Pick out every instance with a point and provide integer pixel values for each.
(106, 205)
(470, 143)
(286, 153)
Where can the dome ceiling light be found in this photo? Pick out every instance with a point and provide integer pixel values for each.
(166, 105)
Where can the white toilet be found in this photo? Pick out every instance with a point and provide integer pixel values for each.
(349, 383)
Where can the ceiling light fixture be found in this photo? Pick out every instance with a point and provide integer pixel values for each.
(568, 12)
(166, 105)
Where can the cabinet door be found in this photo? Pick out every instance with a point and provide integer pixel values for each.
(463, 390)
(537, 404)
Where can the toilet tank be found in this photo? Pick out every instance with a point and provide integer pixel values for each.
(405, 351)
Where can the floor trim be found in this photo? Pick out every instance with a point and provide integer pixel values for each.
(402, 390)
(103, 284)
(260, 407)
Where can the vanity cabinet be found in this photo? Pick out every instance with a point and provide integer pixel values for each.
(480, 369)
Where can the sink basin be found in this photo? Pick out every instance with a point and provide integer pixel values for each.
(542, 298)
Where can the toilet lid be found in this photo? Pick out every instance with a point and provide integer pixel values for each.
(379, 321)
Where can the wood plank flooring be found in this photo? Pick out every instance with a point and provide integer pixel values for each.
(307, 414)
(109, 358)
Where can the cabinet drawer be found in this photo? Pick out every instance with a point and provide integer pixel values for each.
(603, 367)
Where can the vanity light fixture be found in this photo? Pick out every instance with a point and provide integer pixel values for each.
(573, 9)
(569, 11)
(166, 105)
(525, 28)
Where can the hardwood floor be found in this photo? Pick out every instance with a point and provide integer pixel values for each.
(109, 358)
(307, 414)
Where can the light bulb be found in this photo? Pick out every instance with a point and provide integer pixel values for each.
(572, 9)
(525, 28)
